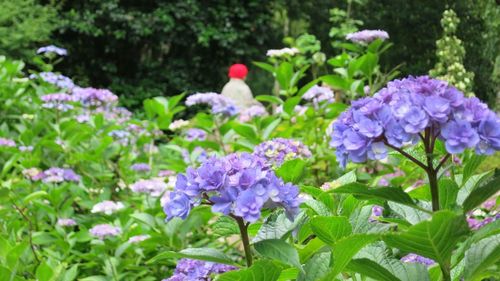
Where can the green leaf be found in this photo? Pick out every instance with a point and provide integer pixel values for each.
(448, 191)
(434, 239)
(261, 270)
(35, 195)
(330, 229)
(44, 272)
(292, 170)
(386, 193)
(480, 256)
(277, 226)
(144, 218)
(278, 250)
(371, 269)
(471, 166)
(269, 98)
(290, 104)
(316, 268)
(225, 226)
(345, 249)
(265, 66)
(70, 274)
(205, 254)
(483, 192)
(245, 130)
(412, 215)
(270, 128)
(318, 207)
(288, 274)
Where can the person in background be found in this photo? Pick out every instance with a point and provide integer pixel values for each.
(237, 90)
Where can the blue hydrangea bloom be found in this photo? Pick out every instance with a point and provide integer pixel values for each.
(398, 113)
(238, 184)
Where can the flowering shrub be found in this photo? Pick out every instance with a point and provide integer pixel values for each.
(89, 191)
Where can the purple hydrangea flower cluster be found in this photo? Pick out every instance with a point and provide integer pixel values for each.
(92, 97)
(58, 175)
(52, 49)
(26, 148)
(196, 134)
(58, 101)
(120, 136)
(140, 167)
(477, 223)
(238, 184)
(397, 114)
(414, 258)
(153, 187)
(317, 94)
(7, 142)
(251, 112)
(367, 36)
(66, 222)
(107, 207)
(279, 150)
(103, 231)
(57, 80)
(196, 270)
(197, 156)
(218, 103)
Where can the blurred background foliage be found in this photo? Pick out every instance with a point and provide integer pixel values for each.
(141, 49)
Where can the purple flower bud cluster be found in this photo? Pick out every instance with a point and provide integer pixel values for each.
(377, 212)
(52, 49)
(57, 80)
(66, 222)
(107, 207)
(140, 167)
(199, 154)
(218, 103)
(92, 97)
(58, 101)
(251, 112)
(196, 270)
(398, 113)
(279, 150)
(26, 148)
(57, 175)
(153, 187)
(103, 231)
(195, 134)
(414, 258)
(120, 136)
(7, 142)
(237, 184)
(367, 36)
(318, 94)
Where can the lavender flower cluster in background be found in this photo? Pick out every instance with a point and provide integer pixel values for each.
(414, 258)
(7, 142)
(107, 207)
(103, 231)
(317, 94)
(55, 79)
(66, 222)
(238, 184)
(279, 150)
(92, 97)
(218, 103)
(54, 175)
(398, 113)
(140, 167)
(51, 49)
(367, 36)
(192, 270)
(385, 180)
(59, 101)
(195, 134)
(253, 111)
(153, 187)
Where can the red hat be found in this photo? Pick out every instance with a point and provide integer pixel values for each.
(238, 71)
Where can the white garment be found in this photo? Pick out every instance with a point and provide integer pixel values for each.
(239, 92)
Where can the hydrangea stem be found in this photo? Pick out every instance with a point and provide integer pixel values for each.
(244, 239)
